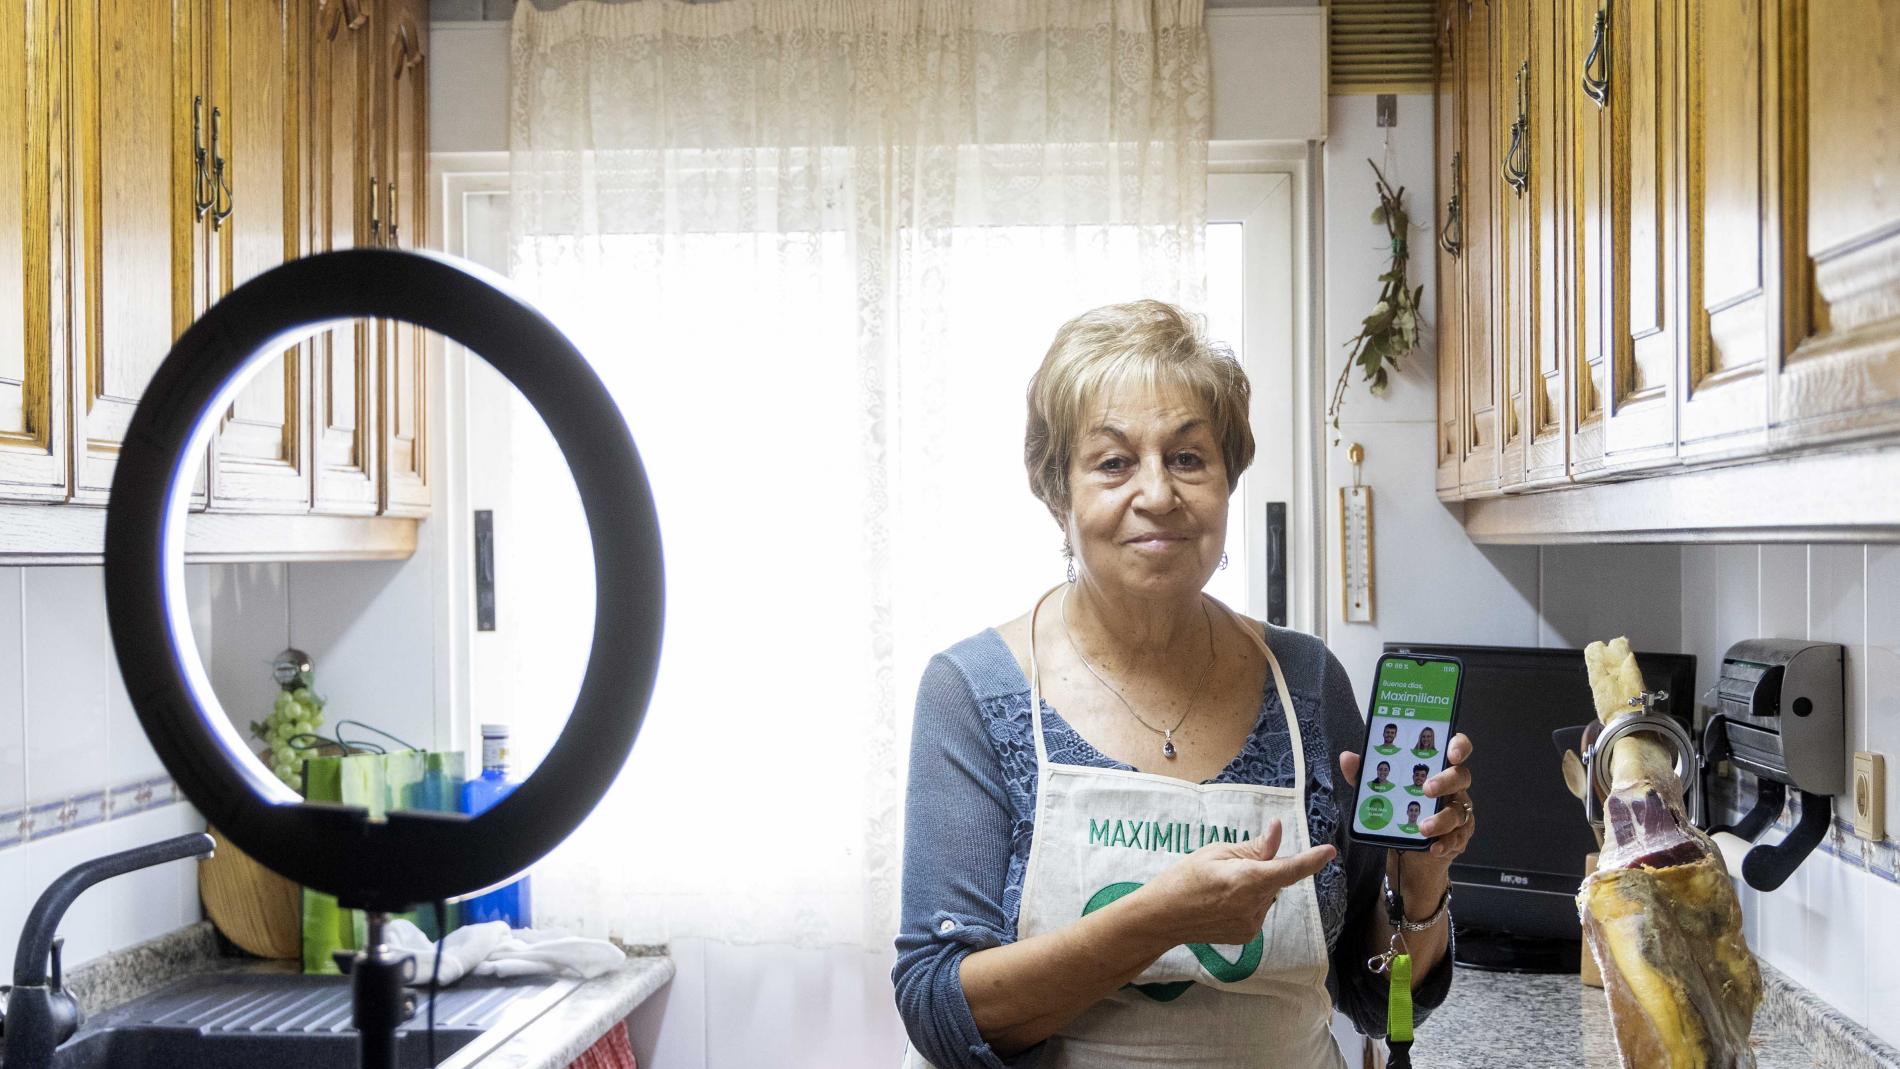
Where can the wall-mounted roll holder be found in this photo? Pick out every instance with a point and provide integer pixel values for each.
(1781, 718)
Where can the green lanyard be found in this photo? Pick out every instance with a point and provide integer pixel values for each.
(1396, 963)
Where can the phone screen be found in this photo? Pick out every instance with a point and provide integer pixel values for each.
(1408, 726)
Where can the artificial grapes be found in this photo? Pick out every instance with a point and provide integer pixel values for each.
(297, 711)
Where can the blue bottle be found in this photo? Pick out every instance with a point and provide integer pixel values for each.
(512, 902)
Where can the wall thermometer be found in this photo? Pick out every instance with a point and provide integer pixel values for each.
(1355, 544)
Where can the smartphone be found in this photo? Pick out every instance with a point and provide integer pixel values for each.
(1409, 723)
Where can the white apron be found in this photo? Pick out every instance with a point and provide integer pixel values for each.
(1102, 832)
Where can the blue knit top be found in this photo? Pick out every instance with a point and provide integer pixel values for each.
(970, 818)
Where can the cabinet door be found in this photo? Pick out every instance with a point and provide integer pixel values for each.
(33, 449)
(1478, 461)
(1513, 223)
(261, 457)
(135, 77)
(1733, 215)
(338, 144)
(1546, 272)
(1589, 227)
(1841, 285)
(405, 165)
(1447, 116)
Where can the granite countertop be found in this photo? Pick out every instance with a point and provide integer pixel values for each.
(549, 1041)
(1498, 1020)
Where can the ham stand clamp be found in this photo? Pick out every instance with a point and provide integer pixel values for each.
(1596, 759)
(408, 858)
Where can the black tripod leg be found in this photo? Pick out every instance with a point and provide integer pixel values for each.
(376, 986)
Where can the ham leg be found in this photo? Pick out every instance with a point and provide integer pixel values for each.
(1659, 912)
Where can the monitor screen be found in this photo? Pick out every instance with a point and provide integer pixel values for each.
(1520, 874)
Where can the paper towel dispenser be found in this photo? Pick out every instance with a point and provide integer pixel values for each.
(1780, 715)
(1781, 701)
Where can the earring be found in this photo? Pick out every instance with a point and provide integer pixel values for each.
(1223, 561)
(1068, 552)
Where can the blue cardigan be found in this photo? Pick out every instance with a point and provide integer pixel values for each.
(970, 817)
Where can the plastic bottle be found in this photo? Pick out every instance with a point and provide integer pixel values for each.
(512, 902)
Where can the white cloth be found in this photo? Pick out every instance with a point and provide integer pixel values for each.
(492, 949)
(871, 214)
(1100, 833)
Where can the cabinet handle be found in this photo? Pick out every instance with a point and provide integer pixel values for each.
(1451, 237)
(1517, 158)
(200, 178)
(1596, 87)
(375, 224)
(394, 229)
(222, 200)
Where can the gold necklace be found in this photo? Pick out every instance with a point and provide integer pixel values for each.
(1167, 734)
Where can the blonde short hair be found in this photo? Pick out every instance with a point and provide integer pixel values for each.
(1148, 342)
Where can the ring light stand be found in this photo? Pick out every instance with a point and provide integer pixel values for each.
(409, 858)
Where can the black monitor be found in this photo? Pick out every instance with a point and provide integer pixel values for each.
(1514, 888)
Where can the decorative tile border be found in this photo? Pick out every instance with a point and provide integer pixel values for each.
(43, 820)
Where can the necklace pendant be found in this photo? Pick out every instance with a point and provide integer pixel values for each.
(1167, 745)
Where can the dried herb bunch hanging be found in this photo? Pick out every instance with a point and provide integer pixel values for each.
(1391, 330)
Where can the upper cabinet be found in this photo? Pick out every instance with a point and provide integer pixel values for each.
(1448, 121)
(401, 159)
(33, 459)
(1840, 230)
(345, 205)
(156, 155)
(262, 458)
(1679, 251)
(138, 163)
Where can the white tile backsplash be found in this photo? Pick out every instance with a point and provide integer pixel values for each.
(1784, 593)
(1592, 593)
(1883, 663)
(1879, 950)
(1830, 927)
(12, 698)
(66, 665)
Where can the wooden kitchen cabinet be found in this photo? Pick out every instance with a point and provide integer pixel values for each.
(261, 457)
(137, 111)
(343, 212)
(1448, 226)
(33, 444)
(1840, 234)
(1591, 321)
(155, 155)
(401, 163)
(1529, 135)
(1733, 217)
(1479, 391)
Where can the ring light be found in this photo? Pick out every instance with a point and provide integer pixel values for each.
(410, 857)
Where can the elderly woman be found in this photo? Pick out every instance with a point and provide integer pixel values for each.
(1125, 831)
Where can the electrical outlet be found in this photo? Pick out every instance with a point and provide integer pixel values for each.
(1870, 795)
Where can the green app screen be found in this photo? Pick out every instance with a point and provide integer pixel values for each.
(1411, 721)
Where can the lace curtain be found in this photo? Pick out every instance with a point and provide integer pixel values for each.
(816, 247)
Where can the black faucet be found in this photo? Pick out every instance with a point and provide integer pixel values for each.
(40, 1015)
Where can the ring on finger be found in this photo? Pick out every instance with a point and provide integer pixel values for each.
(1464, 807)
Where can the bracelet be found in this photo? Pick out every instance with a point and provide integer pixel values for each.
(1395, 909)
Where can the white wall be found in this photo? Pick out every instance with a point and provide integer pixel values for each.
(1432, 584)
(1830, 927)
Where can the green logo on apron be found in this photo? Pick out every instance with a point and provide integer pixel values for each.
(1227, 972)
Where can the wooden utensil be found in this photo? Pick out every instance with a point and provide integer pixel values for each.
(254, 907)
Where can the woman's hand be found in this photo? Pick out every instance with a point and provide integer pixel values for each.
(1425, 873)
(1221, 892)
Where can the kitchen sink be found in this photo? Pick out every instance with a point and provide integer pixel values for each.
(244, 1020)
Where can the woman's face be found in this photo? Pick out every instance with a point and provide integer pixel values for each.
(1426, 740)
(1148, 494)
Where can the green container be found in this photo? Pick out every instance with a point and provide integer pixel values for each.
(404, 780)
